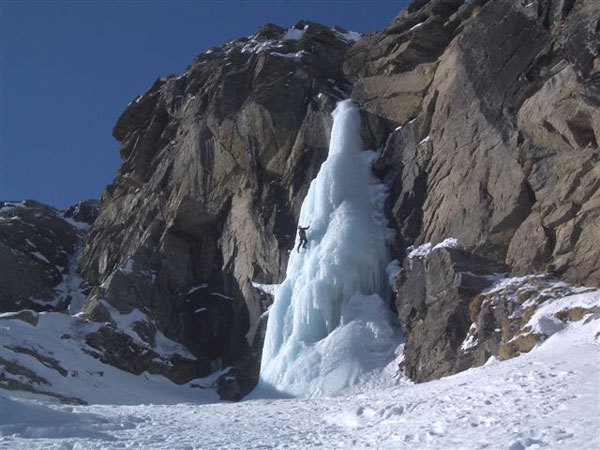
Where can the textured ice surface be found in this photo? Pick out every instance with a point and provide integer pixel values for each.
(329, 324)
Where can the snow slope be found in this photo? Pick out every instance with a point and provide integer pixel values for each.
(55, 350)
(548, 398)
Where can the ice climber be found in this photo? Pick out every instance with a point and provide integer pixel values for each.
(302, 234)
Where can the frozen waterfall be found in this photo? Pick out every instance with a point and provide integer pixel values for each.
(329, 323)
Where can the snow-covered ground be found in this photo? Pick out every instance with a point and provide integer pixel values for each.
(548, 398)
(55, 351)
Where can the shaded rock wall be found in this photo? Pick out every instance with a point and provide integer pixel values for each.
(38, 246)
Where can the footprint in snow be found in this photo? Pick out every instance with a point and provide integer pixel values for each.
(391, 411)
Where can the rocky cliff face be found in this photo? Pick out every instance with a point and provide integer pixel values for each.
(486, 114)
(502, 152)
(216, 165)
(497, 104)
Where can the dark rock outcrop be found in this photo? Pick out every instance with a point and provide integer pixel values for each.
(433, 299)
(51, 348)
(459, 310)
(118, 349)
(37, 249)
(85, 211)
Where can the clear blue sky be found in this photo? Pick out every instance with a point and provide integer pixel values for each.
(68, 70)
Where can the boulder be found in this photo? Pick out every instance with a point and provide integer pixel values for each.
(433, 298)
(26, 315)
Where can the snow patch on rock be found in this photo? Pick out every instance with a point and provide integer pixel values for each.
(423, 250)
